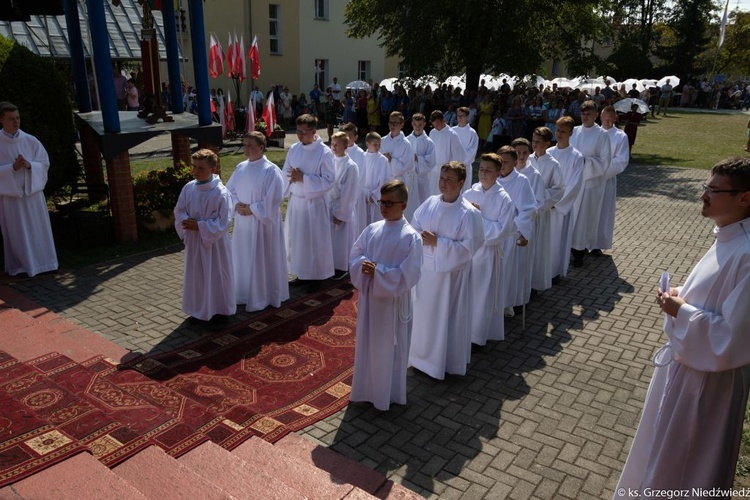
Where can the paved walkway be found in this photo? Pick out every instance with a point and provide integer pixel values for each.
(548, 413)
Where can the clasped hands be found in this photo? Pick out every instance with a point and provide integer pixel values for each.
(190, 224)
(20, 163)
(243, 209)
(296, 175)
(669, 302)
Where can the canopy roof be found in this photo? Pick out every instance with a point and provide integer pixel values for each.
(47, 36)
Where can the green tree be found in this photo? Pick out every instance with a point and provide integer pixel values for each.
(687, 35)
(41, 93)
(733, 58)
(443, 37)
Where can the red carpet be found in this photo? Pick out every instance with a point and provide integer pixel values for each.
(280, 372)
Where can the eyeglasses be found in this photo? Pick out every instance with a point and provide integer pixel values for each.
(388, 203)
(712, 191)
(304, 131)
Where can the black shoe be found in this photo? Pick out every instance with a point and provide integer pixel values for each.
(597, 253)
(534, 293)
(577, 257)
(218, 320)
(556, 280)
(314, 286)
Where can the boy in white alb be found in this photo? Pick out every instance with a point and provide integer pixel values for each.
(452, 232)
(386, 263)
(377, 173)
(342, 200)
(24, 219)
(258, 247)
(202, 218)
(398, 150)
(448, 148)
(620, 160)
(424, 154)
(358, 156)
(516, 250)
(564, 212)
(469, 142)
(487, 276)
(554, 188)
(308, 176)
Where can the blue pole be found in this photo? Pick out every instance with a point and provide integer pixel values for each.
(173, 56)
(103, 66)
(200, 60)
(83, 96)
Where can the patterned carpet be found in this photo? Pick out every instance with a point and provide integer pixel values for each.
(278, 373)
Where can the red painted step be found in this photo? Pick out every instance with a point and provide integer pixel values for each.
(236, 476)
(81, 477)
(314, 483)
(345, 469)
(159, 476)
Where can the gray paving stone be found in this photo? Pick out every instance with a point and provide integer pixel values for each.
(549, 412)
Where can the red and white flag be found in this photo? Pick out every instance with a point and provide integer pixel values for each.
(269, 115)
(250, 125)
(231, 56)
(240, 58)
(230, 112)
(215, 58)
(254, 56)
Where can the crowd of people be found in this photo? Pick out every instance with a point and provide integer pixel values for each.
(489, 246)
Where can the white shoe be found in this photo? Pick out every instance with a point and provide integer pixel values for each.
(509, 312)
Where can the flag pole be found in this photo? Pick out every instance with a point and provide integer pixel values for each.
(722, 31)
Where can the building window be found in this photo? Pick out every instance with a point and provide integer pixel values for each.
(321, 73)
(363, 70)
(321, 9)
(274, 28)
(402, 71)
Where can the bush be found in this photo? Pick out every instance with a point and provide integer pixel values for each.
(158, 190)
(40, 91)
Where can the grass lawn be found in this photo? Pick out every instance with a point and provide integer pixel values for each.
(690, 139)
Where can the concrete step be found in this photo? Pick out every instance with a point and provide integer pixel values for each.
(31, 330)
(236, 476)
(344, 468)
(159, 476)
(314, 483)
(81, 477)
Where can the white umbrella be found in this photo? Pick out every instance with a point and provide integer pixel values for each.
(648, 83)
(425, 80)
(491, 82)
(629, 84)
(561, 82)
(456, 81)
(623, 105)
(389, 83)
(673, 81)
(358, 85)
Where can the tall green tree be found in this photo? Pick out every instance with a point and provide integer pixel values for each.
(688, 35)
(444, 37)
(733, 58)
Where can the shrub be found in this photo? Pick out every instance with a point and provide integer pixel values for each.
(158, 190)
(40, 91)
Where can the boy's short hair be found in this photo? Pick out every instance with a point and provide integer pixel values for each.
(737, 169)
(258, 137)
(418, 117)
(544, 133)
(436, 115)
(463, 109)
(396, 187)
(566, 121)
(521, 141)
(307, 119)
(588, 106)
(205, 155)
(373, 136)
(340, 136)
(456, 167)
(398, 115)
(7, 107)
(609, 109)
(349, 127)
(493, 158)
(508, 150)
